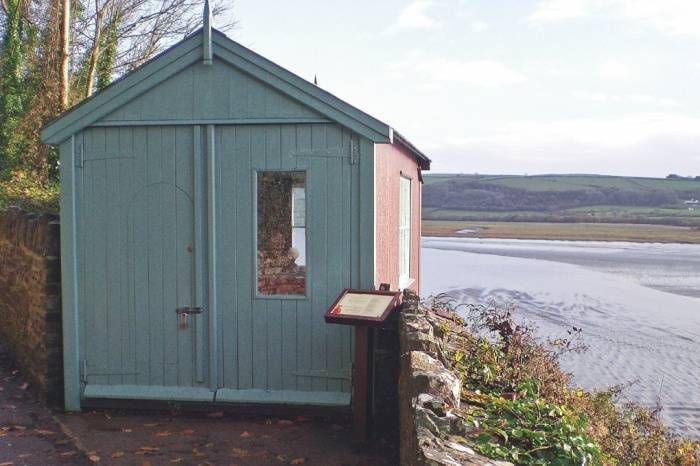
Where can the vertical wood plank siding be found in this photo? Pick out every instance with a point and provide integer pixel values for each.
(283, 344)
(190, 95)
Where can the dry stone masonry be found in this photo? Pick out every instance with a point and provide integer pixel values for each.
(428, 393)
(30, 298)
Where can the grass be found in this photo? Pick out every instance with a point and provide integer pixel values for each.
(565, 231)
(519, 405)
(571, 182)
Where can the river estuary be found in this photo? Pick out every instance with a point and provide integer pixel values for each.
(637, 303)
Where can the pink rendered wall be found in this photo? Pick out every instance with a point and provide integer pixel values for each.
(391, 161)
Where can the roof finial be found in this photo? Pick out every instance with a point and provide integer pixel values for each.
(315, 80)
(206, 35)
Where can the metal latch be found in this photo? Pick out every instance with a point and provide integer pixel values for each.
(187, 310)
(183, 314)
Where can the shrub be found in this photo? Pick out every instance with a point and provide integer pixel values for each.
(25, 192)
(523, 409)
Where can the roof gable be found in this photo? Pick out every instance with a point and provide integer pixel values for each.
(216, 92)
(192, 50)
(188, 52)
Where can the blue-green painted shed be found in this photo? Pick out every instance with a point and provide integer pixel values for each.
(170, 181)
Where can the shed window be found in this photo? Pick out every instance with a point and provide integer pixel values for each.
(404, 231)
(281, 232)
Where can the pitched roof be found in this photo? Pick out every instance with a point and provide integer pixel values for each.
(189, 51)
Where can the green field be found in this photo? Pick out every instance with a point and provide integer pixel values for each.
(561, 199)
(563, 231)
(570, 182)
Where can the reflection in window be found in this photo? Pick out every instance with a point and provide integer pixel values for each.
(404, 230)
(281, 233)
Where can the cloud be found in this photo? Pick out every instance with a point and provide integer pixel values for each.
(675, 17)
(415, 16)
(641, 99)
(548, 11)
(650, 144)
(479, 26)
(614, 70)
(432, 71)
(626, 130)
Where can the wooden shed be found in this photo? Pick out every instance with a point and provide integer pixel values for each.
(213, 204)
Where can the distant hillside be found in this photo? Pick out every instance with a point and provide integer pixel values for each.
(561, 198)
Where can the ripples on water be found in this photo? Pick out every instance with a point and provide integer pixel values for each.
(635, 333)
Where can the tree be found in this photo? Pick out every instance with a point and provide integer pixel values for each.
(65, 53)
(12, 95)
(55, 53)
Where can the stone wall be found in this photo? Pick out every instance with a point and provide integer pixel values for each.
(30, 297)
(430, 434)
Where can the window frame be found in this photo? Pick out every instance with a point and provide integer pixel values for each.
(254, 214)
(405, 279)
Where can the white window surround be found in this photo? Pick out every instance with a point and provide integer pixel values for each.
(404, 232)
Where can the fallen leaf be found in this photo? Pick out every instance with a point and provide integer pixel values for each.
(216, 415)
(297, 461)
(164, 433)
(117, 454)
(285, 422)
(94, 458)
(24, 455)
(303, 419)
(176, 460)
(45, 432)
(151, 424)
(209, 445)
(239, 452)
(20, 428)
(281, 458)
(246, 434)
(149, 449)
(126, 430)
(146, 463)
(187, 431)
(7, 463)
(67, 454)
(24, 386)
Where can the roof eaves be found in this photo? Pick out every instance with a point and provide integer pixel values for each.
(382, 131)
(423, 159)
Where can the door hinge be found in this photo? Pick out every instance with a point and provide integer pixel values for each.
(353, 152)
(79, 156)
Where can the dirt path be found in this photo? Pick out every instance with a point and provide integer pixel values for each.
(217, 439)
(28, 433)
(31, 434)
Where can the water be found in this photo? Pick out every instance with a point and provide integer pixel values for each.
(638, 305)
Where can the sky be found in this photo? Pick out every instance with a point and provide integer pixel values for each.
(505, 86)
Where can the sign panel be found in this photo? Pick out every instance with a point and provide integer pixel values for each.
(362, 307)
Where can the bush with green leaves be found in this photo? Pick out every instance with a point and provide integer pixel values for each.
(519, 405)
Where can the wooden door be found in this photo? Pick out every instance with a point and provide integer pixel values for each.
(143, 265)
